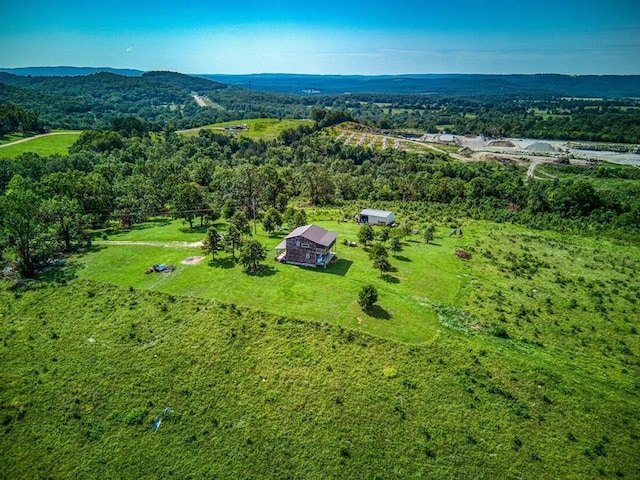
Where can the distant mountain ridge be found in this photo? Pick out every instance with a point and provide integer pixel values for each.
(458, 85)
(190, 83)
(67, 71)
(609, 86)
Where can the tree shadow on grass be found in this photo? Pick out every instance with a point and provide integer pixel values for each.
(378, 312)
(151, 223)
(390, 278)
(90, 249)
(195, 229)
(224, 262)
(57, 274)
(264, 271)
(402, 258)
(103, 234)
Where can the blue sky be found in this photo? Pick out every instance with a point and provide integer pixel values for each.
(329, 37)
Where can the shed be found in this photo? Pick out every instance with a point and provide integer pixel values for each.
(308, 245)
(376, 217)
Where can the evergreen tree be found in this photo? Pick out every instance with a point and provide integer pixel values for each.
(367, 297)
(251, 254)
(211, 243)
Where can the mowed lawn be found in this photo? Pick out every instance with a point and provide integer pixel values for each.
(423, 276)
(55, 143)
(258, 128)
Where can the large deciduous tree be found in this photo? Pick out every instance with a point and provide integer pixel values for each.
(317, 183)
(67, 221)
(22, 225)
(272, 220)
(189, 203)
(136, 199)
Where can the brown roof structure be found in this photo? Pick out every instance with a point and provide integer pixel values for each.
(313, 233)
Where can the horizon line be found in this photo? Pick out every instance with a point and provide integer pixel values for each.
(330, 74)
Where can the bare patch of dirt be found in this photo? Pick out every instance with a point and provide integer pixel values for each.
(192, 260)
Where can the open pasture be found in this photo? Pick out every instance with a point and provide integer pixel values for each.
(45, 145)
(289, 398)
(523, 358)
(561, 298)
(423, 275)
(258, 128)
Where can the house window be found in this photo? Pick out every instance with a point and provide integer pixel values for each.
(307, 256)
(305, 245)
(297, 243)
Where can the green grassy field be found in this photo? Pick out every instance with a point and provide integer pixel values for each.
(258, 396)
(521, 362)
(259, 128)
(10, 137)
(57, 143)
(157, 230)
(563, 300)
(599, 182)
(423, 276)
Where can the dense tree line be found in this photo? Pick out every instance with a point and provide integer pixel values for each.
(552, 118)
(130, 174)
(164, 99)
(16, 119)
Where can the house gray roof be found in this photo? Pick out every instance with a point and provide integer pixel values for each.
(315, 234)
(375, 213)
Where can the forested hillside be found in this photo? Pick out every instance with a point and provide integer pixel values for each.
(130, 175)
(165, 98)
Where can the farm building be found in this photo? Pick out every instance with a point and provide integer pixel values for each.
(308, 245)
(376, 217)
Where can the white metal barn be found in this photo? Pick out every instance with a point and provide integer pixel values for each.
(376, 217)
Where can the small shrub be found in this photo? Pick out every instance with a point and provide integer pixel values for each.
(390, 372)
(517, 443)
(136, 416)
(500, 332)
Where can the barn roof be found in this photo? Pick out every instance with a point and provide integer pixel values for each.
(315, 234)
(375, 213)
